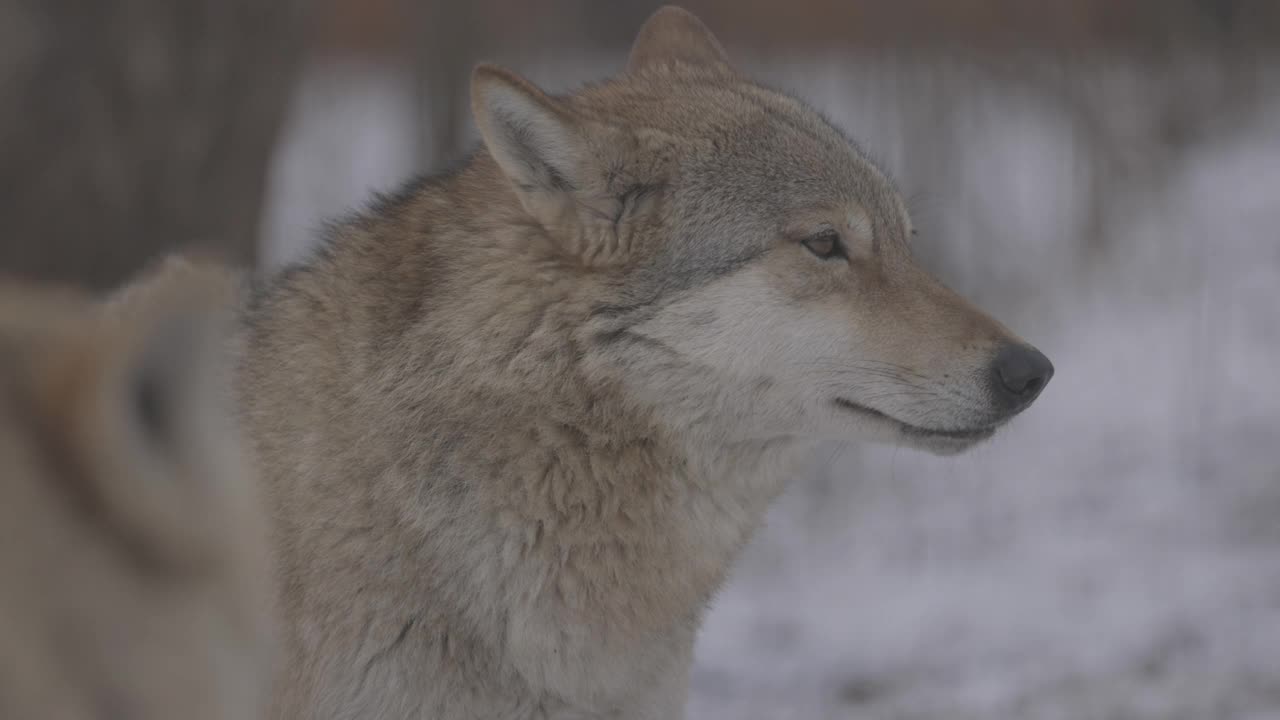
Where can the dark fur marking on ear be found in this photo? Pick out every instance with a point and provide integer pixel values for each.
(558, 182)
(525, 139)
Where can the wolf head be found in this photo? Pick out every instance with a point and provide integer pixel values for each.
(755, 265)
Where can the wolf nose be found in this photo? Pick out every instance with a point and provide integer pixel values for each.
(1020, 372)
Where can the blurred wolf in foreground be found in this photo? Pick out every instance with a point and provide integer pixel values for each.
(132, 581)
(516, 422)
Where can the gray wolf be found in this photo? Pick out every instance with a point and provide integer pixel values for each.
(516, 421)
(132, 574)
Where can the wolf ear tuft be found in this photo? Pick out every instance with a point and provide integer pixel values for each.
(673, 34)
(533, 137)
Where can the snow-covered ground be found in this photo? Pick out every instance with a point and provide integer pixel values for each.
(1115, 554)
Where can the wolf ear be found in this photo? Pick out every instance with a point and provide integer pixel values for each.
(673, 34)
(563, 167)
(539, 144)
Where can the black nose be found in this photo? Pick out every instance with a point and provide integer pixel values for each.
(1019, 373)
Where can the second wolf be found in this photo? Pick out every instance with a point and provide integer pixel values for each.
(517, 421)
(132, 581)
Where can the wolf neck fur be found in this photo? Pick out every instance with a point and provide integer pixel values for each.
(531, 404)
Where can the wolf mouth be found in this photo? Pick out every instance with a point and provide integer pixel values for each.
(915, 430)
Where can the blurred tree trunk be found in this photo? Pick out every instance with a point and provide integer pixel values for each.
(132, 128)
(444, 42)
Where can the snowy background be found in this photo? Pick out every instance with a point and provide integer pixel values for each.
(1114, 554)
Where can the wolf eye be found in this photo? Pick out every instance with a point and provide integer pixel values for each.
(826, 245)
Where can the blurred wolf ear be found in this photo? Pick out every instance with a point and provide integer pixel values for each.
(673, 34)
(163, 346)
(150, 407)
